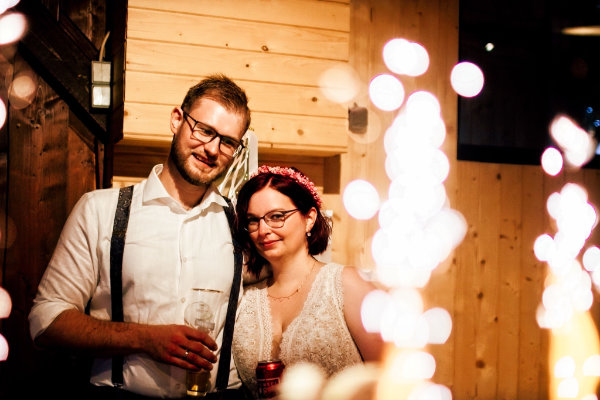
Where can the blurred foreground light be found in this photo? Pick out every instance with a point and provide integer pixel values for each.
(2, 113)
(591, 259)
(406, 58)
(5, 303)
(339, 84)
(3, 348)
(591, 366)
(6, 4)
(565, 367)
(413, 365)
(423, 105)
(543, 247)
(358, 381)
(467, 79)
(361, 199)
(301, 381)
(22, 90)
(577, 144)
(568, 389)
(386, 92)
(552, 161)
(372, 309)
(12, 27)
(430, 391)
(440, 325)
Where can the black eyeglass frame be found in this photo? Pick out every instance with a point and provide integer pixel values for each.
(267, 219)
(197, 128)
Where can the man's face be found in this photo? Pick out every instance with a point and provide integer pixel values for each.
(201, 163)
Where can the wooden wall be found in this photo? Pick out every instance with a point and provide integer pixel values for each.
(492, 285)
(48, 159)
(276, 50)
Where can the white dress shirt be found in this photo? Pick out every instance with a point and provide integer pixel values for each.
(168, 251)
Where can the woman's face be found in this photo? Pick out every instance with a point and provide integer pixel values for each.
(276, 244)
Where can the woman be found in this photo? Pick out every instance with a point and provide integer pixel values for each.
(306, 311)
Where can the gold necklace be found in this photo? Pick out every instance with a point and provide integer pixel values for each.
(283, 298)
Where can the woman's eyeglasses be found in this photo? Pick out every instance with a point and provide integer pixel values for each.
(275, 219)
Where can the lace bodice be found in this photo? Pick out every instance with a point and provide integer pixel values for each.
(318, 334)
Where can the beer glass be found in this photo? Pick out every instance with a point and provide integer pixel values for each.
(202, 313)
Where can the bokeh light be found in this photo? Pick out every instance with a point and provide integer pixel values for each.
(386, 92)
(578, 145)
(430, 391)
(352, 383)
(568, 388)
(22, 90)
(12, 27)
(467, 79)
(6, 4)
(413, 365)
(543, 247)
(3, 348)
(339, 84)
(5, 303)
(591, 366)
(2, 113)
(565, 367)
(361, 199)
(406, 58)
(301, 381)
(552, 161)
(591, 258)
(440, 325)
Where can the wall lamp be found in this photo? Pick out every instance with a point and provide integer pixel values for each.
(101, 78)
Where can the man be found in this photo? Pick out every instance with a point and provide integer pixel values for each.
(178, 238)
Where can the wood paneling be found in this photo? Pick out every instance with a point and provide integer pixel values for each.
(51, 164)
(492, 284)
(276, 50)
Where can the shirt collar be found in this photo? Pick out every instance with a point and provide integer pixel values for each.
(154, 190)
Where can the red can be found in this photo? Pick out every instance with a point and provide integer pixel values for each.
(268, 375)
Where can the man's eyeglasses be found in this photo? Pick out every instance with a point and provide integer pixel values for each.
(275, 219)
(202, 133)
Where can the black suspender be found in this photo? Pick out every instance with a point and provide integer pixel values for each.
(117, 245)
(225, 357)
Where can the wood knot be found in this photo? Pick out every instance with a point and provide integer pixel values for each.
(479, 364)
(264, 48)
(300, 132)
(314, 99)
(480, 295)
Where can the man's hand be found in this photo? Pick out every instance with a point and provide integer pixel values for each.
(180, 345)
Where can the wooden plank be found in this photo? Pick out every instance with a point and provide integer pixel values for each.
(316, 14)
(151, 122)
(262, 96)
(179, 59)
(486, 281)
(532, 274)
(186, 28)
(466, 300)
(509, 266)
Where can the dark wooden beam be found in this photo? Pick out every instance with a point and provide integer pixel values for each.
(62, 55)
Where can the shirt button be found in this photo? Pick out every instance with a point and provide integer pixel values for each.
(183, 299)
(184, 259)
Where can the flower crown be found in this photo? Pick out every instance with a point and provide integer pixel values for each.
(297, 176)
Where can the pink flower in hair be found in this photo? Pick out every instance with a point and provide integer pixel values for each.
(297, 176)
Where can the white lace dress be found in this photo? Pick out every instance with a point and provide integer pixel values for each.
(318, 334)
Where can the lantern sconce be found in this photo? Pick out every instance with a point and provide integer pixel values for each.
(101, 78)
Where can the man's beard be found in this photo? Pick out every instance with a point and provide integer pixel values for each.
(192, 176)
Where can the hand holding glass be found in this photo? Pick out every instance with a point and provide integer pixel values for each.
(201, 313)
